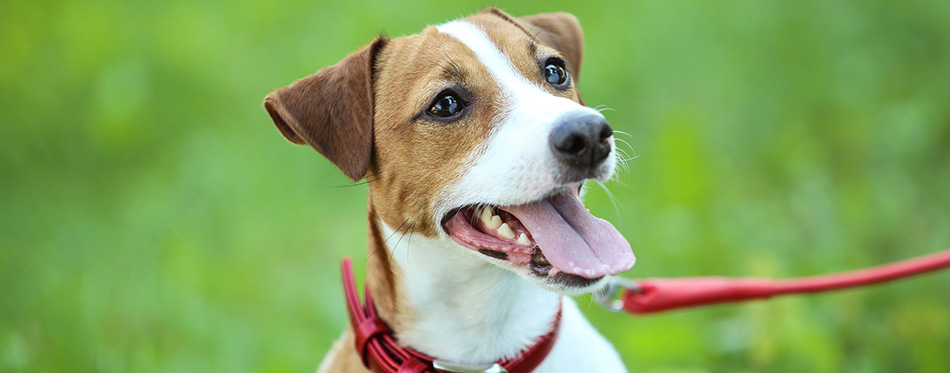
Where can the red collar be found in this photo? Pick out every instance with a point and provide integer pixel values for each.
(382, 354)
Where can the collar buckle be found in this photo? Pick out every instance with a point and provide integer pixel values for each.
(466, 368)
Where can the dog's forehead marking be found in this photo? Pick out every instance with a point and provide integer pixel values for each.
(513, 164)
(498, 64)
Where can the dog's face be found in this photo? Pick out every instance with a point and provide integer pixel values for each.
(472, 132)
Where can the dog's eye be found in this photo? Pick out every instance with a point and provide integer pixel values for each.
(555, 73)
(448, 104)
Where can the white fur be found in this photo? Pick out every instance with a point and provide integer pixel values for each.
(580, 348)
(466, 310)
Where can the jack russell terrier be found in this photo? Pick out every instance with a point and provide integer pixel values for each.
(475, 144)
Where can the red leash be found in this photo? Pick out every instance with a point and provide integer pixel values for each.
(654, 295)
(381, 353)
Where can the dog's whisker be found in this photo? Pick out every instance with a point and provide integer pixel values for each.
(474, 218)
(392, 251)
(625, 158)
(364, 182)
(624, 142)
(613, 200)
(620, 183)
(622, 162)
(412, 230)
(625, 133)
(394, 232)
(401, 236)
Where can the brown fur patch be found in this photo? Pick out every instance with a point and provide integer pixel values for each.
(383, 278)
(417, 157)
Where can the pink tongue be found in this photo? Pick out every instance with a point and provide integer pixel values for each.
(573, 240)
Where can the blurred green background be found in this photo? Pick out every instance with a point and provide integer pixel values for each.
(153, 219)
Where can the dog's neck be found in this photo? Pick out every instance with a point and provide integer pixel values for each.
(450, 304)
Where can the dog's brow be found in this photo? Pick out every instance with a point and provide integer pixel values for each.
(452, 71)
(506, 18)
(532, 47)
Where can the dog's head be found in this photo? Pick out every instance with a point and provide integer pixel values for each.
(472, 132)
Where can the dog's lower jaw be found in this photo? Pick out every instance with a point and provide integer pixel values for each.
(453, 305)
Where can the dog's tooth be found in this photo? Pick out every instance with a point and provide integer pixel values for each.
(485, 215)
(523, 239)
(505, 231)
(495, 222)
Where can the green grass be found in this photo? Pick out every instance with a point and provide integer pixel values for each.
(153, 219)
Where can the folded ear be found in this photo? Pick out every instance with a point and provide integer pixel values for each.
(332, 111)
(562, 32)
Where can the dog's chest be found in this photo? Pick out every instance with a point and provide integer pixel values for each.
(580, 348)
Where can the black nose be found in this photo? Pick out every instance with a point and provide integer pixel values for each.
(581, 141)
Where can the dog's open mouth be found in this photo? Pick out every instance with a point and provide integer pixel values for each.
(554, 236)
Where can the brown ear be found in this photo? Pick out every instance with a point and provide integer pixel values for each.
(332, 110)
(562, 32)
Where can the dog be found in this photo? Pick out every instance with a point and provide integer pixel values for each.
(475, 144)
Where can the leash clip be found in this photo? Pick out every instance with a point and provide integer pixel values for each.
(465, 368)
(609, 297)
